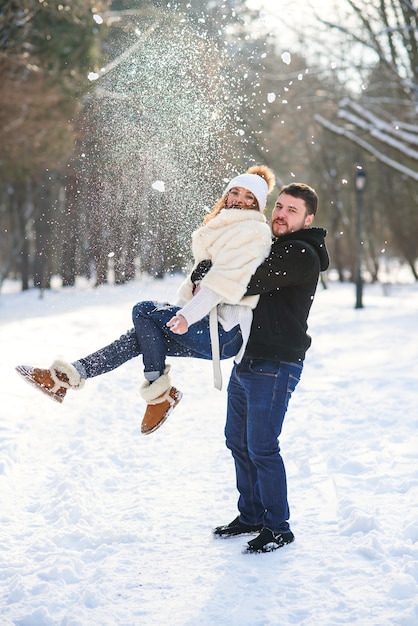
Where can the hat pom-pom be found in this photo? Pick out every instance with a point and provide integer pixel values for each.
(266, 173)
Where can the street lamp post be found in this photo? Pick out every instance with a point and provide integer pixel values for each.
(360, 184)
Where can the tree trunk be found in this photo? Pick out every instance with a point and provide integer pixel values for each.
(21, 213)
(69, 232)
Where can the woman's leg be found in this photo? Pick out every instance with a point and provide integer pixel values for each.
(110, 357)
(152, 338)
(156, 341)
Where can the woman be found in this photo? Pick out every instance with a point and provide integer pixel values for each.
(236, 238)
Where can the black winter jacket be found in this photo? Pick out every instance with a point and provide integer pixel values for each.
(286, 282)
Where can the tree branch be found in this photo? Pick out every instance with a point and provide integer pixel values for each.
(344, 132)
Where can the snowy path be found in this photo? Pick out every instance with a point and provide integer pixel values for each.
(102, 526)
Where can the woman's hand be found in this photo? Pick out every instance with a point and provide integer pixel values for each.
(178, 324)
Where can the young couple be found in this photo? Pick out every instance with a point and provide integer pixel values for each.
(257, 294)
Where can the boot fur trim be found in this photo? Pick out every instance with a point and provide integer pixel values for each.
(62, 367)
(151, 391)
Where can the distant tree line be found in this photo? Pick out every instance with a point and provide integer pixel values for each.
(119, 122)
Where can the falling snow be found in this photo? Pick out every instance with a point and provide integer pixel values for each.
(159, 128)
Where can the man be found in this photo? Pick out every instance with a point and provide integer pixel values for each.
(261, 384)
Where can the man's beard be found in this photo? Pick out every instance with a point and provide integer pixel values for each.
(279, 234)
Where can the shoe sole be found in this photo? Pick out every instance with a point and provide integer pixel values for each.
(24, 373)
(177, 399)
(269, 547)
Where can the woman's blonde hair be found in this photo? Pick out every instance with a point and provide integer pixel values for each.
(260, 170)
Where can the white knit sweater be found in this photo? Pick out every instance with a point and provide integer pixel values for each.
(236, 241)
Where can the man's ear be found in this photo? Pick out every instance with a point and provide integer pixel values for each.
(309, 219)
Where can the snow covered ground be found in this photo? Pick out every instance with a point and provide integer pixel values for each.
(101, 526)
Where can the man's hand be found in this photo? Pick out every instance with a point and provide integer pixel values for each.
(178, 324)
(201, 270)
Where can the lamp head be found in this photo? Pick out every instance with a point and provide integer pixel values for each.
(360, 178)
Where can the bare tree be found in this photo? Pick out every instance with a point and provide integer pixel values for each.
(379, 120)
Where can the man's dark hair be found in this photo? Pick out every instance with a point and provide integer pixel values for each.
(308, 194)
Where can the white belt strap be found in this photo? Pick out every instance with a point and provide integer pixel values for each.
(214, 339)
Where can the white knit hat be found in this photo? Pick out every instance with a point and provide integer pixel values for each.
(254, 183)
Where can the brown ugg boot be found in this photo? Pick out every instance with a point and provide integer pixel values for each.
(161, 398)
(54, 381)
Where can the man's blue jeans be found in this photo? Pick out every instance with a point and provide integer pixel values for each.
(154, 340)
(258, 396)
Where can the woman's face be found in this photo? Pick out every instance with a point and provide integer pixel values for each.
(241, 198)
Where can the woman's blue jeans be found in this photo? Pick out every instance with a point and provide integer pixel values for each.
(155, 341)
(258, 397)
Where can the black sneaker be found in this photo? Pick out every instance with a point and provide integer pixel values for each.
(267, 541)
(236, 528)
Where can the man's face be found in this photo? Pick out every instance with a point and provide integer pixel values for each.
(289, 214)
